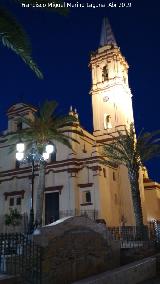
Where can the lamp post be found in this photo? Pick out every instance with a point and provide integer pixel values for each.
(34, 157)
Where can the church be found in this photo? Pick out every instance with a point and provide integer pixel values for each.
(77, 182)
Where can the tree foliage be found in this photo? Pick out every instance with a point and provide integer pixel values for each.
(14, 218)
(127, 149)
(45, 126)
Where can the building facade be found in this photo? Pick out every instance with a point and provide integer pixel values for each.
(77, 182)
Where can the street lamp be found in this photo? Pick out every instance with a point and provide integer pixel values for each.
(20, 147)
(33, 156)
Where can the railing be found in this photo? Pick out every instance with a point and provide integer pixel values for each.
(129, 233)
(19, 256)
(24, 226)
(136, 237)
(154, 230)
(91, 214)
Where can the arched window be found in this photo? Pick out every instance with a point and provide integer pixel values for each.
(19, 126)
(105, 73)
(107, 121)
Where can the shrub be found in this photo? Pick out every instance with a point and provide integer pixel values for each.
(13, 218)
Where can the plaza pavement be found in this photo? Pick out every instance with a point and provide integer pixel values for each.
(152, 281)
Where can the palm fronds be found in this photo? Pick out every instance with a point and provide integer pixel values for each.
(126, 149)
(14, 37)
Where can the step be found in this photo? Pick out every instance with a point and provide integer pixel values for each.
(8, 279)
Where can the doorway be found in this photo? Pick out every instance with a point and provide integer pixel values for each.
(51, 207)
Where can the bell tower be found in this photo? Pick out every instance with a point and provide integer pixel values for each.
(111, 95)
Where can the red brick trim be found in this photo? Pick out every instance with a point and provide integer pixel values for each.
(150, 187)
(54, 188)
(96, 168)
(14, 177)
(86, 204)
(57, 164)
(83, 185)
(13, 193)
(145, 180)
(73, 170)
(3, 141)
(62, 165)
(14, 110)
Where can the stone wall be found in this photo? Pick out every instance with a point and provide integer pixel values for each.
(75, 249)
(132, 273)
(134, 254)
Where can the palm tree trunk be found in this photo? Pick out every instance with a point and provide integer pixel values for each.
(133, 175)
(40, 195)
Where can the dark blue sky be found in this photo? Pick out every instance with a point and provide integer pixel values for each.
(62, 46)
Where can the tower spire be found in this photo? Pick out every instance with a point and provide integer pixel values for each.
(107, 36)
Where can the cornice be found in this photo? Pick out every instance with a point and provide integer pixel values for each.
(70, 166)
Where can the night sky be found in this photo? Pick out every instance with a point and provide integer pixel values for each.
(61, 48)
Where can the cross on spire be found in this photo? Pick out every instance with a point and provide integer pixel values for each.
(107, 36)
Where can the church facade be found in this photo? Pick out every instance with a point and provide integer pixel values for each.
(77, 182)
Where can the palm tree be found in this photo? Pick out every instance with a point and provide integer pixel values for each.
(125, 149)
(13, 36)
(45, 127)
